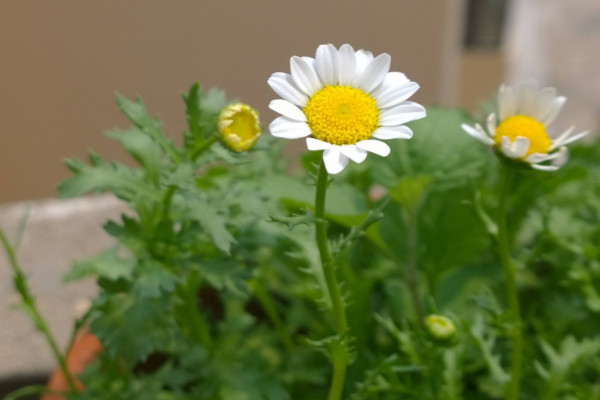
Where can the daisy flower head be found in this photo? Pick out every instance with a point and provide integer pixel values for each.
(518, 131)
(343, 102)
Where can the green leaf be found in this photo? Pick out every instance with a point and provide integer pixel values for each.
(225, 274)
(486, 341)
(211, 221)
(439, 148)
(307, 218)
(337, 348)
(136, 112)
(409, 191)
(106, 265)
(142, 148)
(123, 181)
(372, 377)
(192, 110)
(154, 280)
(570, 353)
(131, 327)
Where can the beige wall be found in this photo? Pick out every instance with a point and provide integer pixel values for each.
(63, 61)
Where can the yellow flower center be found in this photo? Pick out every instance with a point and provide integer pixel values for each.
(341, 115)
(521, 125)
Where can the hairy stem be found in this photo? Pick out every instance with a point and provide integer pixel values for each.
(20, 282)
(512, 295)
(337, 305)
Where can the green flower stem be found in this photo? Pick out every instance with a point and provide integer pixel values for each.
(412, 279)
(202, 147)
(337, 304)
(512, 295)
(339, 376)
(339, 314)
(20, 282)
(198, 329)
(269, 306)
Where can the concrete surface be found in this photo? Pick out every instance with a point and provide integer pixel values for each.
(58, 232)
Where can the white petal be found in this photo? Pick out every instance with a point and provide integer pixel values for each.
(334, 160)
(347, 64)
(354, 153)
(388, 95)
(575, 137)
(393, 132)
(491, 125)
(402, 113)
(537, 157)
(556, 143)
(544, 167)
(393, 78)
(506, 102)
(363, 58)
(558, 157)
(284, 86)
(328, 64)
(316, 144)
(526, 95)
(304, 75)
(374, 146)
(478, 133)
(375, 73)
(553, 110)
(287, 109)
(520, 146)
(562, 157)
(288, 128)
(506, 147)
(543, 102)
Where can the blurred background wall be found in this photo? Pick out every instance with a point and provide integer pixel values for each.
(62, 62)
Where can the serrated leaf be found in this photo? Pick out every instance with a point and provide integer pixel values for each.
(337, 348)
(136, 112)
(192, 110)
(154, 280)
(486, 340)
(117, 178)
(307, 218)
(371, 376)
(211, 221)
(142, 148)
(225, 274)
(132, 328)
(571, 351)
(106, 265)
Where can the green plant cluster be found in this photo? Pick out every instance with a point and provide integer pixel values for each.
(215, 289)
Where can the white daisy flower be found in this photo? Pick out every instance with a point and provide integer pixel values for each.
(523, 115)
(343, 102)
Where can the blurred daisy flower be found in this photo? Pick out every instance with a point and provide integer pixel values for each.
(519, 130)
(239, 126)
(345, 103)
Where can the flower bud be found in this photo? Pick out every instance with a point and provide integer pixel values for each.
(239, 126)
(440, 328)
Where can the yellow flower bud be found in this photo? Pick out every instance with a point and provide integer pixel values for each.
(439, 327)
(239, 126)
